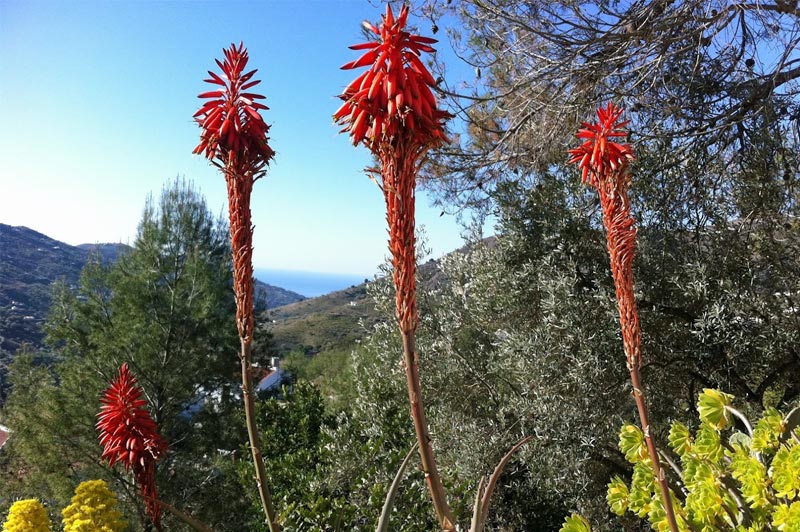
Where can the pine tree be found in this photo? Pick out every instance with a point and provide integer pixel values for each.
(165, 308)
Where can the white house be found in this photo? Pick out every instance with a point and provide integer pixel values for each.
(272, 378)
(5, 433)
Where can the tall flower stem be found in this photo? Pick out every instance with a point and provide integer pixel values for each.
(427, 457)
(240, 184)
(391, 109)
(604, 165)
(255, 437)
(399, 171)
(234, 138)
(620, 237)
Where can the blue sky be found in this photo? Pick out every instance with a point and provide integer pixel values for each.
(97, 101)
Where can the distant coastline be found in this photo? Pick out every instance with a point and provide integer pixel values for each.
(309, 284)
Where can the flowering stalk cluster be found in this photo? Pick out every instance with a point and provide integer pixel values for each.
(27, 515)
(233, 136)
(93, 507)
(130, 436)
(391, 109)
(604, 166)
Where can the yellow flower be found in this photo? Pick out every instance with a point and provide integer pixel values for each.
(27, 516)
(93, 509)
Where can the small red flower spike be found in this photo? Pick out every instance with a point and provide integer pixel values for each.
(130, 436)
(604, 165)
(598, 155)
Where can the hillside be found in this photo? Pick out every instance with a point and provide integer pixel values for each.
(323, 323)
(30, 262)
(336, 321)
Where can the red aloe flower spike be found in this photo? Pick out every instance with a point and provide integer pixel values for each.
(396, 91)
(604, 166)
(232, 128)
(234, 138)
(129, 435)
(392, 110)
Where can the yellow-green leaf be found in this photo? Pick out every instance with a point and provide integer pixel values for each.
(575, 523)
(711, 406)
(617, 496)
(680, 439)
(632, 444)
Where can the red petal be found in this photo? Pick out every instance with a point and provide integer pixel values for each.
(365, 45)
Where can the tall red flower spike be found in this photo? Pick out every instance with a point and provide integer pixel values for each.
(604, 166)
(391, 109)
(129, 435)
(234, 138)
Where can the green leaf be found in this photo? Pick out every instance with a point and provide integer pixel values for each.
(766, 435)
(642, 489)
(711, 406)
(785, 472)
(658, 516)
(707, 445)
(740, 440)
(617, 496)
(752, 475)
(632, 444)
(704, 501)
(680, 439)
(787, 518)
(575, 523)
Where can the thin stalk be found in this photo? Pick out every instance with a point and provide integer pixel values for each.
(185, 517)
(423, 436)
(742, 418)
(388, 504)
(641, 405)
(255, 436)
(481, 512)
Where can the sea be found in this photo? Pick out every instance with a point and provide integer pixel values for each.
(309, 284)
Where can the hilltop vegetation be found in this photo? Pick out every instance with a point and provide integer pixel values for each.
(31, 262)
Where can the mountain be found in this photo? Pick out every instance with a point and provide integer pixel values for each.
(267, 296)
(30, 262)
